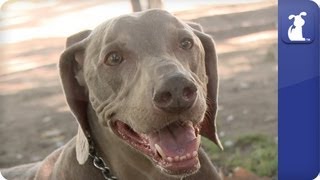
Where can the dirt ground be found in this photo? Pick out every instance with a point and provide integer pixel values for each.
(34, 118)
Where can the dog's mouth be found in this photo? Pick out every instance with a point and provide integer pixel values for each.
(174, 148)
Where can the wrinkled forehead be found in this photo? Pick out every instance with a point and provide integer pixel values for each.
(154, 21)
(150, 26)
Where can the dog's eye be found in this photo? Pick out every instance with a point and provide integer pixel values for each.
(186, 43)
(113, 59)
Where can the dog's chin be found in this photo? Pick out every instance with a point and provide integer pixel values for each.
(173, 148)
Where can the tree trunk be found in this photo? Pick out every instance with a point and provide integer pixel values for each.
(136, 5)
(155, 4)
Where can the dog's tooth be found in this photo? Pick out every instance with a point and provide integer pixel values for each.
(197, 130)
(197, 166)
(160, 151)
(182, 158)
(170, 159)
(194, 153)
(176, 158)
(188, 155)
(198, 141)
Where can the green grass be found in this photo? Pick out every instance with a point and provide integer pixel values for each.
(257, 153)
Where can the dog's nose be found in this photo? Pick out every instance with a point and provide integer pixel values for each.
(175, 94)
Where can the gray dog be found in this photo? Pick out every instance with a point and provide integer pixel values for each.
(143, 88)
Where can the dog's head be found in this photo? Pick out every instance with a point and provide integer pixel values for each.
(152, 81)
(298, 20)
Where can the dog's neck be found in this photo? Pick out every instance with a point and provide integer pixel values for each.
(65, 166)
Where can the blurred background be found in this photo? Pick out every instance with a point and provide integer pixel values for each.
(34, 118)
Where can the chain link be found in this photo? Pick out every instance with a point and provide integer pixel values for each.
(99, 163)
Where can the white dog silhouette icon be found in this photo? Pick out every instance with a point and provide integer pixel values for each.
(295, 30)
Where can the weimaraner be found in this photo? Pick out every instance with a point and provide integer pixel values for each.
(143, 88)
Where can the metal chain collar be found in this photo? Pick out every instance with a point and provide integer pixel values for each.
(99, 163)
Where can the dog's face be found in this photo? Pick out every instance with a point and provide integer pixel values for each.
(146, 77)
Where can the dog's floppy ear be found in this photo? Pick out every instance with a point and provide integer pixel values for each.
(195, 26)
(291, 16)
(208, 126)
(303, 14)
(70, 66)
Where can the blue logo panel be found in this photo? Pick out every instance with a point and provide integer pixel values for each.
(298, 94)
(297, 25)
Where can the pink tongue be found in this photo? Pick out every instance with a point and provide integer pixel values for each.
(175, 140)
